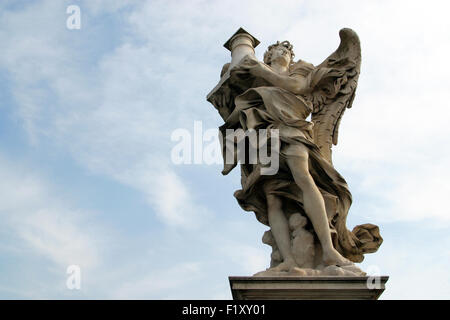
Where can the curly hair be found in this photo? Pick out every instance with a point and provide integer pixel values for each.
(285, 44)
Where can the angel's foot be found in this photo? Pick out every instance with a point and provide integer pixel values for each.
(333, 257)
(287, 265)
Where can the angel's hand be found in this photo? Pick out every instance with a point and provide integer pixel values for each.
(250, 66)
(248, 61)
(240, 72)
(259, 70)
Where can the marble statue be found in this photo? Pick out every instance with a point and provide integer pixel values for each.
(306, 201)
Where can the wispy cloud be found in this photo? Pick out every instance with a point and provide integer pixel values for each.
(160, 284)
(42, 224)
(119, 129)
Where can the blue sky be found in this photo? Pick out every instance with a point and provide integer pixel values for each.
(87, 116)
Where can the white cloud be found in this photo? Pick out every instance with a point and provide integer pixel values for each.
(55, 234)
(162, 284)
(112, 130)
(249, 259)
(421, 273)
(101, 6)
(169, 195)
(31, 212)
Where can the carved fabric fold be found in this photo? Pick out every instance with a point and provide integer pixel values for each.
(275, 108)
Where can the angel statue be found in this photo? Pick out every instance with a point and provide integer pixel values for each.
(306, 202)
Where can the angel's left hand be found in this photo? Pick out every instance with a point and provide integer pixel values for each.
(250, 66)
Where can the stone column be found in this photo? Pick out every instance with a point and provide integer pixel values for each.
(241, 44)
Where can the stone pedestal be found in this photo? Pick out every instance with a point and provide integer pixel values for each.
(307, 288)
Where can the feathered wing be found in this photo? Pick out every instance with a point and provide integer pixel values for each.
(333, 84)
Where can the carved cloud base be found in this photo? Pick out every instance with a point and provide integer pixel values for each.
(350, 271)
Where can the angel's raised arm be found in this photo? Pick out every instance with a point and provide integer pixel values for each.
(295, 83)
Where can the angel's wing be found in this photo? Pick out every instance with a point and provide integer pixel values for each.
(334, 84)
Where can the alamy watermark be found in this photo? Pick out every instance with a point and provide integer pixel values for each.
(212, 146)
(73, 22)
(73, 281)
(374, 277)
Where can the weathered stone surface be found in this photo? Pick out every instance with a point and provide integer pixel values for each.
(306, 288)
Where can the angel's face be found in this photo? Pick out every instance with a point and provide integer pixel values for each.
(281, 55)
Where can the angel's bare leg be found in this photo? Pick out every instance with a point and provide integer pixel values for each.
(314, 205)
(280, 231)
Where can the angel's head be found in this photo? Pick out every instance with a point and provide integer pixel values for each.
(281, 53)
